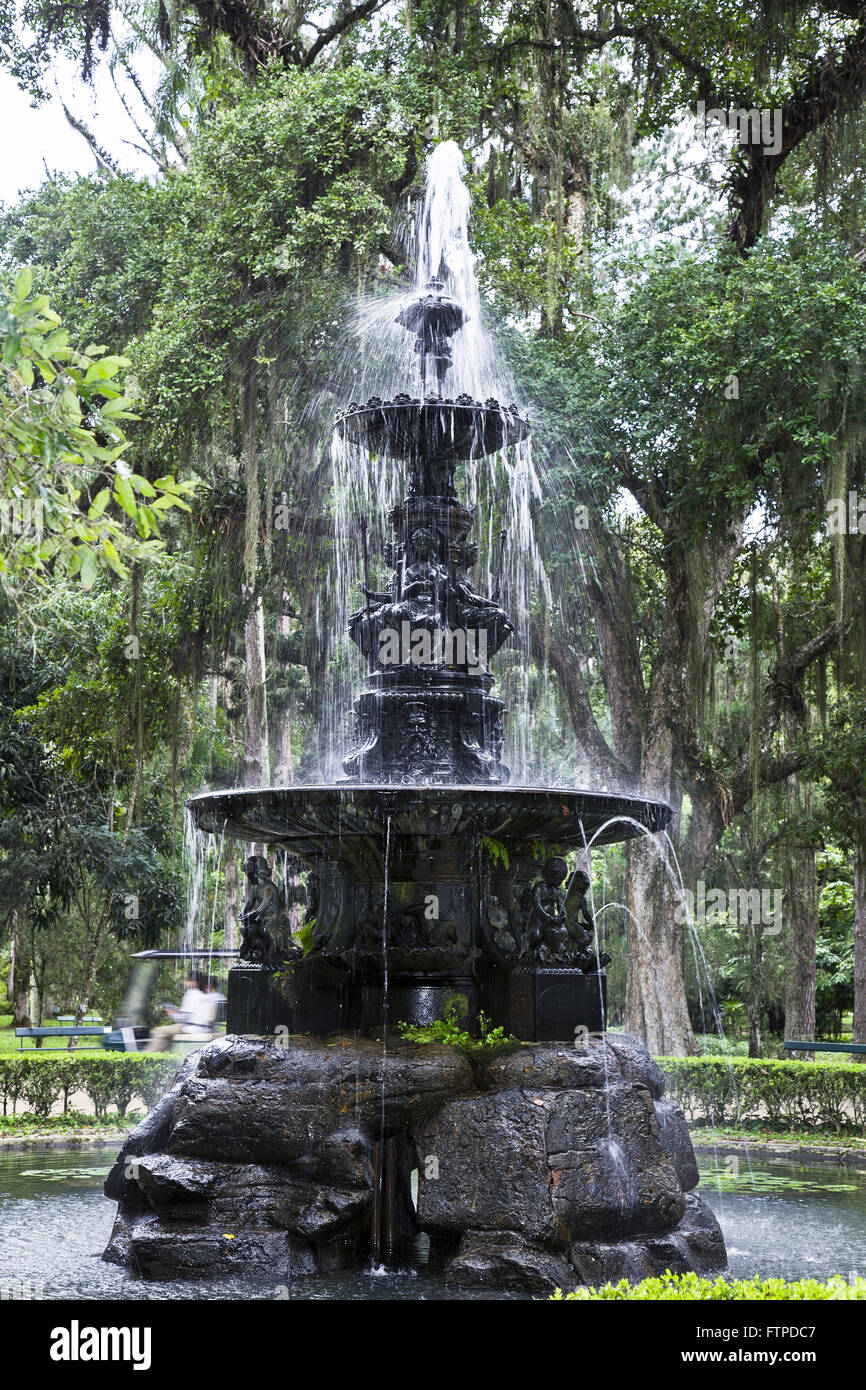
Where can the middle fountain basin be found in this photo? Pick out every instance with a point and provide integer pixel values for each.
(421, 896)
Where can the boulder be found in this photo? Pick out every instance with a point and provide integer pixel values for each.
(538, 1169)
(163, 1252)
(696, 1243)
(166, 1180)
(250, 1196)
(299, 1100)
(151, 1134)
(552, 1166)
(678, 1144)
(553, 1066)
(482, 1164)
(502, 1260)
(635, 1063)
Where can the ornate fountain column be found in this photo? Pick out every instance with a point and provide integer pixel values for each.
(426, 715)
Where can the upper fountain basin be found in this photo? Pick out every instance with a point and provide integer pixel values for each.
(408, 427)
(312, 820)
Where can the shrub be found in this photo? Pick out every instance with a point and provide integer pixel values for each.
(784, 1094)
(109, 1080)
(692, 1287)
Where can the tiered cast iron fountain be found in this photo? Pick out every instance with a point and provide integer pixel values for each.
(426, 787)
(430, 880)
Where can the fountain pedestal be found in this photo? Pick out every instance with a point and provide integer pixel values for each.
(549, 1003)
(447, 890)
(543, 1167)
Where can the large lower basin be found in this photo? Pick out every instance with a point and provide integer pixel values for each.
(310, 819)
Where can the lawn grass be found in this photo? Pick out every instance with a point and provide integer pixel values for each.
(9, 1044)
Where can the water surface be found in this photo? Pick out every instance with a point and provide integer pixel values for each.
(784, 1219)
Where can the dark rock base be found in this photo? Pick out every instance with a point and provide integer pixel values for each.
(546, 1168)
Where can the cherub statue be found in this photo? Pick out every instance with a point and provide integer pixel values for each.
(552, 936)
(547, 925)
(581, 938)
(418, 597)
(265, 928)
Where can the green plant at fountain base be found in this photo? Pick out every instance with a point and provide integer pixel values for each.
(687, 1287)
(303, 937)
(446, 1030)
(306, 936)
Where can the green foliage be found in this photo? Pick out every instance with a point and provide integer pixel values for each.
(497, 851)
(491, 1042)
(61, 450)
(686, 1287)
(71, 1122)
(783, 1094)
(306, 936)
(97, 248)
(110, 1080)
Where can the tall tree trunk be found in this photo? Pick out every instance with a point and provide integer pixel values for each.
(802, 914)
(91, 958)
(656, 1005)
(91, 964)
(859, 1030)
(257, 762)
(656, 1008)
(19, 974)
(256, 752)
(755, 992)
(284, 769)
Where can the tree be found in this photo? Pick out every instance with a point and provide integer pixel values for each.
(67, 492)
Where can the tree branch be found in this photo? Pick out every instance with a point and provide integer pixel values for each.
(339, 27)
(547, 647)
(101, 155)
(830, 87)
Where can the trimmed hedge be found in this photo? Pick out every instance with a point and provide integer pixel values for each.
(112, 1079)
(692, 1287)
(736, 1090)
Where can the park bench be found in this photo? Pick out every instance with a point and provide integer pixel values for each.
(70, 1033)
(792, 1045)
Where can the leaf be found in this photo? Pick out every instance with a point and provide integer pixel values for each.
(166, 501)
(24, 282)
(114, 407)
(125, 496)
(100, 502)
(142, 485)
(114, 560)
(89, 568)
(103, 370)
